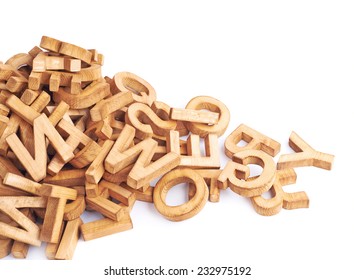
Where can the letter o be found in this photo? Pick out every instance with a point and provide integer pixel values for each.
(188, 209)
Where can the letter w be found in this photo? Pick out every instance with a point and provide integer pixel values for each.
(37, 167)
(141, 154)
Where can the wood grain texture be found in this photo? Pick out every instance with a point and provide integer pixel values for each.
(58, 113)
(16, 84)
(41, 101)
(163, 111)
(52, 248)
(213, 105)
(95, 171)
(188, 209)
(144, 171)
(91, 189)
(12, 126)
(4, 110)
(29, 231)
(6, 166)
(89, 96)
(15, 122)
(141, 155)
(36, 166)
(210, 177)
(74, 81)
(5, 247)
(107, 207)
(111, 104)
(47, 61)
(3, 123)
(231, 171)
(118, 177)
(146, 122)
(50, 44)
(82, 158)
(72, 141)
(304, 155)
(104, 227)
(53, 220)
(21, 60)
(280, 199)
(21, 183)
(119, 193)
(144, 92)
(68, 49)
(104, 131)
(56, 191)
(259, 185)
(144, 194)
(67, 178)
(54, 215)
(20, 249)
(195, 116)
(10, 191)
(194, 159)
(69, 240)
(123, 142)
(75, 138)
(74, 209)
(75, 51)
(28, 96)
(255, 140)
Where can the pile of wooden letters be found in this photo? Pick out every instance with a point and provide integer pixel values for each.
(73, 141)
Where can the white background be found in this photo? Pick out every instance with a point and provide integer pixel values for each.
(279, 66)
